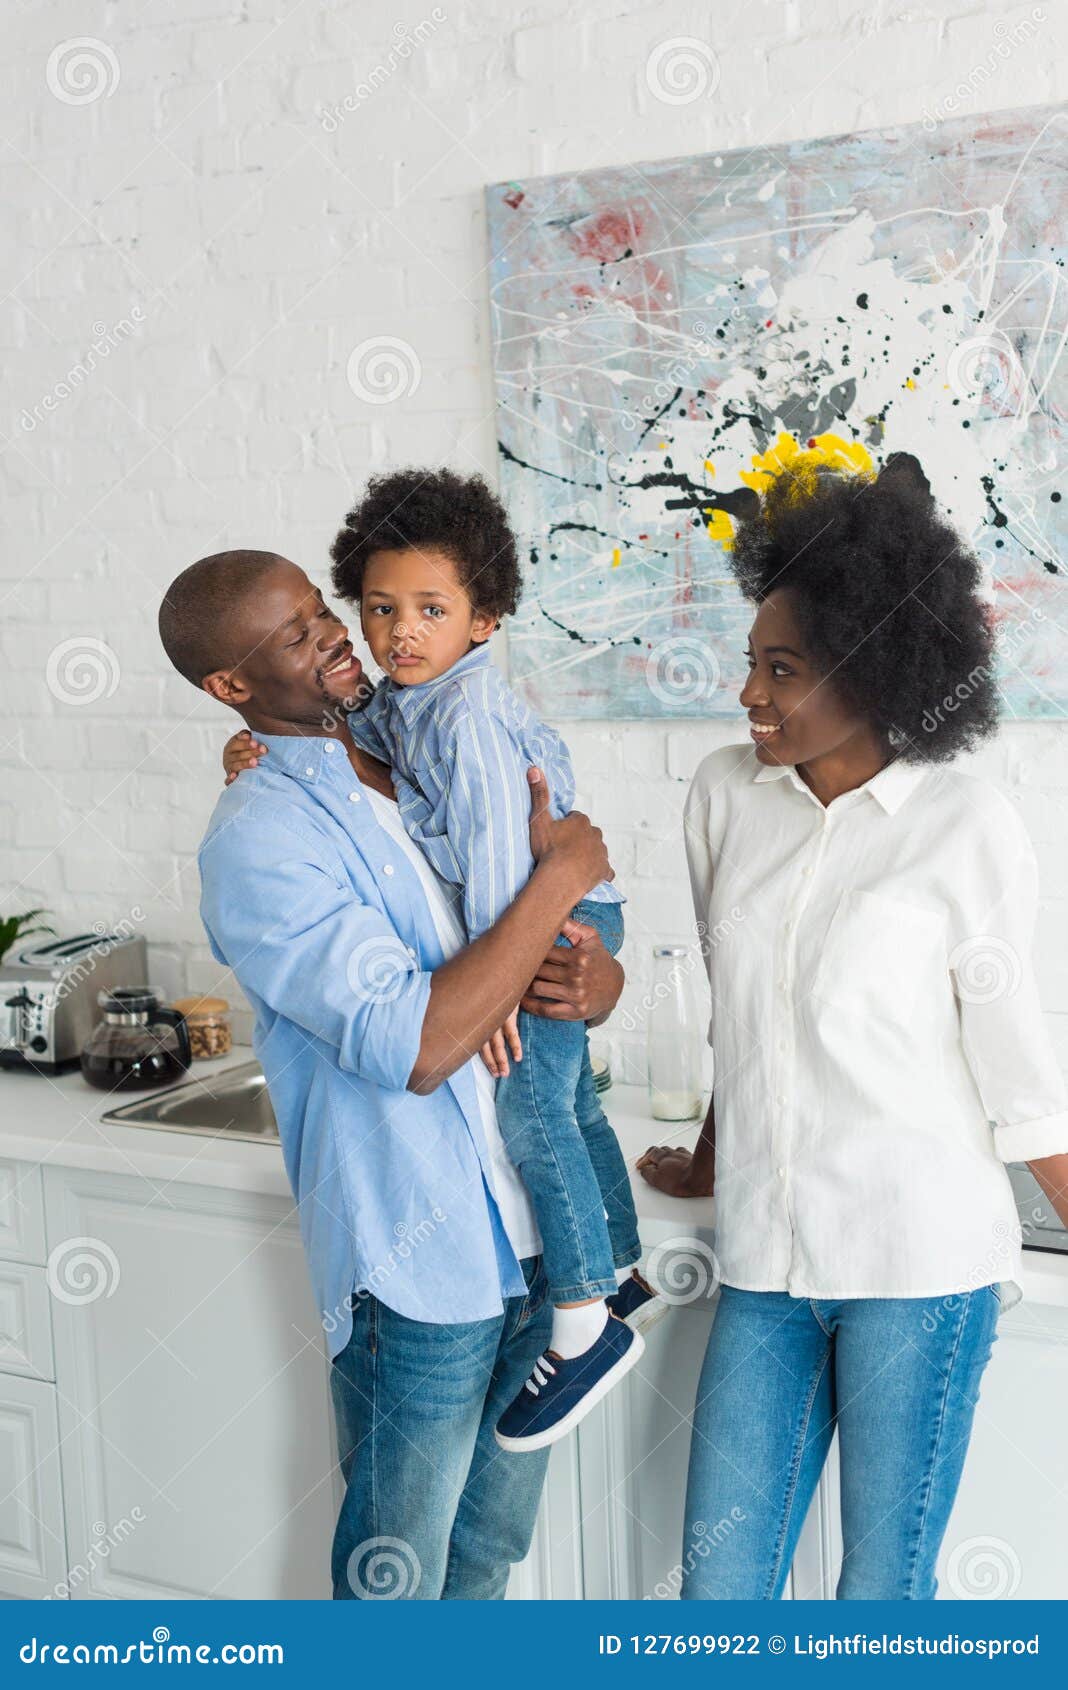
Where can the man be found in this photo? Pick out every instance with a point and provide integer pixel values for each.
(421, 1244)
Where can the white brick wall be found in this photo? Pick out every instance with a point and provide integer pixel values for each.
(259, 245)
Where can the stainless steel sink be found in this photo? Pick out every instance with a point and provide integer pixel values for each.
(233, 1104)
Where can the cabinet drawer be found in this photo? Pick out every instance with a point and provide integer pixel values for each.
(25, 1321)
(22, 1229)
(33, 1549)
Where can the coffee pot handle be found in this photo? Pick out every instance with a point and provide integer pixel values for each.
(174, 1018)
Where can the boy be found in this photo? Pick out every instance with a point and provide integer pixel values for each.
(431, 560)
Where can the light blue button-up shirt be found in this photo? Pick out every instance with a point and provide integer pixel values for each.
(460, 746)
(325, 924)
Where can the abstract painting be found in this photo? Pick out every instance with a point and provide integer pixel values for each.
(668, 335)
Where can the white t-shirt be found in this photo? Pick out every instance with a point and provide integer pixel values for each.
(517, 1215)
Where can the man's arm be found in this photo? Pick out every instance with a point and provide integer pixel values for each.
(471, 994)
(280, 912)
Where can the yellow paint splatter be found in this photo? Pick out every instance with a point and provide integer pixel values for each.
(802, 465)
(710, 466)
(617, 557)
(909, 383)
(721, 528)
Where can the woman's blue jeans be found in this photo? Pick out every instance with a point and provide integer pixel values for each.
(898, 1378)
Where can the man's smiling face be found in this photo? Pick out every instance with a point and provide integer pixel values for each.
(295, 665)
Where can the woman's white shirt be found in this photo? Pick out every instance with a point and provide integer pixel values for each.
(513, 1201)
(880, 1051)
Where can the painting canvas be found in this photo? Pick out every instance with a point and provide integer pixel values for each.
(667, 335)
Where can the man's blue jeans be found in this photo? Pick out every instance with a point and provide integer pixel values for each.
(898, 1377)
(556, 1133)
(433, 1507)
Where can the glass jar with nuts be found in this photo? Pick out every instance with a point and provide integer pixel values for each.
(208, 1020)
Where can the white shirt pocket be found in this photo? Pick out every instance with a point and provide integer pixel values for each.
(877, 955)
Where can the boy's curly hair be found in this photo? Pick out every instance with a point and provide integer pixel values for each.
(885, 594)
(420, 509)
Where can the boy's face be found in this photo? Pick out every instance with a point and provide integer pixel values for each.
(417, 617)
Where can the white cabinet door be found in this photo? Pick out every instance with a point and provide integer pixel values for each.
(33, 1558)
(25, 1321)
(1006, 1536)
(22, 1229)
(193, 1391)
(553, 1570)
(633, 1453)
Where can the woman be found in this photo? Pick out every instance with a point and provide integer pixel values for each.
(879, 1044)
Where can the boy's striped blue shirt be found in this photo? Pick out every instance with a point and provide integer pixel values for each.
(459, 747)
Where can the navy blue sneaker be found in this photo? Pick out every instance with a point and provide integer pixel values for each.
(560, 1393)
(636, 1307)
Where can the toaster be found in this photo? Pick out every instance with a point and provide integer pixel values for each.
(49, 995)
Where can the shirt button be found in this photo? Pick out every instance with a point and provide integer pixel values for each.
(354, 797)
(780, 1099)
(781, 1172)
(410, 949)
(329, 747)
(387, 868)
(782, 985)
(806, 870)
(309, 770)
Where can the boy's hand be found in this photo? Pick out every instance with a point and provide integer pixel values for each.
(505, 1039)
(241, 751)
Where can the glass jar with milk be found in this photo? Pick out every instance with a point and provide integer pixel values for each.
(674, 1035)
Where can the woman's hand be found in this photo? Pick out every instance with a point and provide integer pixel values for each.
(241, 751)
(673, 1172)
(579, 981)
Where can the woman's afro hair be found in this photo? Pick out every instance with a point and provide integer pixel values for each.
(885, 593)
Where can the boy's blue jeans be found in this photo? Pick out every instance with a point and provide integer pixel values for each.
(897, 1377)
(555, 1132)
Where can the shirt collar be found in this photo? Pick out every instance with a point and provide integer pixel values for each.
(890, 787)
(300, 756)
(409, 702)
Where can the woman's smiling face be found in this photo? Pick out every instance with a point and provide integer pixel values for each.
(795, 714)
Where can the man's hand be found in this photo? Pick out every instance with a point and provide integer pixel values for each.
(579, 981)
(573, 842)
(467, 992)
(673, 1172)
(505, 1039)
(241, 751)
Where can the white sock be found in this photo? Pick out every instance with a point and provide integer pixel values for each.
(623, 1274)
(575, 1330)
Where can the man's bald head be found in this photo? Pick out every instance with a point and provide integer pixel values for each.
(200, 620)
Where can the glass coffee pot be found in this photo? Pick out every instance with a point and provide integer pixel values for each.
(137, 1044)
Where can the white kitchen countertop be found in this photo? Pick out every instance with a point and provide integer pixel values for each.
(57, 1122)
